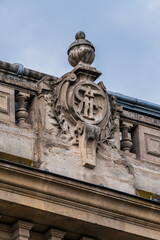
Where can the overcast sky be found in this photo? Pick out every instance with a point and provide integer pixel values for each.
(125, 33)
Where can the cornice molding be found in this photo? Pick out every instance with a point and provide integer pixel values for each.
(55, 194)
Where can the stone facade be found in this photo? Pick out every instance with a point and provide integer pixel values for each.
(75, 152)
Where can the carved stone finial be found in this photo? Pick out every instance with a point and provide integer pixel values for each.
(81, 50)
(80, 35)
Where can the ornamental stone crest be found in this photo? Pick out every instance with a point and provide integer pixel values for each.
(81, 107)
(88, 101)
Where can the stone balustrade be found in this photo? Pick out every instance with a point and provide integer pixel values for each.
(126, 141)
(22, 108)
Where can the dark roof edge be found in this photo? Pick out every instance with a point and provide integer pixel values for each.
(137, 105)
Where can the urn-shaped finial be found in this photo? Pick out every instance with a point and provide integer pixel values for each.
(81, 50)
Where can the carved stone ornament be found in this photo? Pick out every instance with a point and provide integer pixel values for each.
(82, 109)
(81, 50)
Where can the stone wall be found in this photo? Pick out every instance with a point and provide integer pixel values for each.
(71, 127)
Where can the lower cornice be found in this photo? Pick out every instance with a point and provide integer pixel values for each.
(46, 193)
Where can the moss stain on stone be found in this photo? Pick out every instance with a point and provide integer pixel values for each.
(148, 195)
(16, 159)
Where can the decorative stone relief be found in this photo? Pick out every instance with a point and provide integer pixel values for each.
(153, 145)
(4, 102)
(7, 108)
(82, 107)
(146, 143)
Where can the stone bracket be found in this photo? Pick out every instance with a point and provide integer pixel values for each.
(54, 234)
(21, 230)
(88, 136)
(43, 86)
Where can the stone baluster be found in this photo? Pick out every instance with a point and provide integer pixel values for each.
(22, 112)
(126, 143)
(21, 230)
(54, 234)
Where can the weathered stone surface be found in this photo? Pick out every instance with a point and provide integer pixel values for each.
(140, 118)
(147, 179)
(17, 141)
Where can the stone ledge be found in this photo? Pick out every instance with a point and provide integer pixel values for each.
(53, 195)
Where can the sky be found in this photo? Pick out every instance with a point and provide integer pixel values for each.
(125, 33)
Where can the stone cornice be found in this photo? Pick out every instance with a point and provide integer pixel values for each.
(53, 194)
(26, 80)
(27, 73)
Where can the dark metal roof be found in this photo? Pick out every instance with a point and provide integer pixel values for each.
(137, 105)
